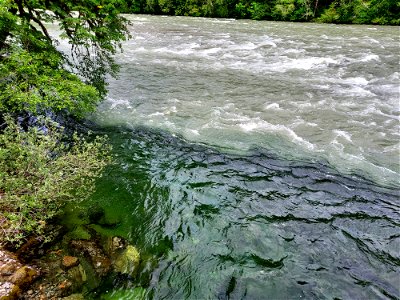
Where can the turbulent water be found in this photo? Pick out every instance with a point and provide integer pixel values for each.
(255, 160)
(301, 90)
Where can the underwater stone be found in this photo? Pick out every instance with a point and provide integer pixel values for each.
(128, 261)
(114, 245)
(14, 276)
(95, 214)
(100, 262)
(70, 261)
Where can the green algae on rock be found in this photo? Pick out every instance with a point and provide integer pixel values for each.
(128, 261)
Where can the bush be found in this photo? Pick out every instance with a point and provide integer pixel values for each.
(283, 9)
(259, 11)
(39, 173)
(35, 82)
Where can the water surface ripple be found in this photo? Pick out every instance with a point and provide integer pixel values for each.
(255, 160)
(313, 91)
(222, 226)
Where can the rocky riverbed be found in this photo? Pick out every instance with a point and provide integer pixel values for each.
(66, 267)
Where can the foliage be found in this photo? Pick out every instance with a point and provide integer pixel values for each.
(39, 174)
(363, 12)
(35, 81)
(284, 8)
(337, 11)
(260, 11)
(35, 75)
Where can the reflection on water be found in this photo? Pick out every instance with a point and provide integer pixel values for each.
(216, 226)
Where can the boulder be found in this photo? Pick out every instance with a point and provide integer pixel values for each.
(115, 245)
(127, 262)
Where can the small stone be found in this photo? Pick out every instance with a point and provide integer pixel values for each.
(70, 261)
(100, 262)
(7, 269)
(24, 276)
(64, 288)
(8, 290)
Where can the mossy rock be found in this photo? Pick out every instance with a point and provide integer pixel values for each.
(80, 232)
(128, 261)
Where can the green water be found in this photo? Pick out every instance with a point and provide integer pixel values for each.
(253, 160)
(215, 226)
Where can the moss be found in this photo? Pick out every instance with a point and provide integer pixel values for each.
(128, 261)
(80, 232)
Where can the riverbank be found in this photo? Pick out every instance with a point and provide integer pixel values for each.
(68, 265)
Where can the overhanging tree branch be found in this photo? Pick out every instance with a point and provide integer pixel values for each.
(37, 21)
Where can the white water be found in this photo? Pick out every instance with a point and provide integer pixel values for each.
(302, 91)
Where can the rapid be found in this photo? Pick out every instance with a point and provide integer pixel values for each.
(254, 160)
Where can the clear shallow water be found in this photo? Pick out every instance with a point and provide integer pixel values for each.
(255, 160)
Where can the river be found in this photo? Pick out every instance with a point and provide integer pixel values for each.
(255, 160)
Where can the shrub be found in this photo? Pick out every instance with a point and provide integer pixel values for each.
(259, 11)
(39, 173)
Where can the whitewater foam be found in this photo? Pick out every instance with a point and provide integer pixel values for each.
(343, 134)
(119, 102)
(370, 57)
(273, 106)
(264, 84)
(303, 64)
(264, 126)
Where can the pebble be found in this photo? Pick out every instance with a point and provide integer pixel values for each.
(70, 261)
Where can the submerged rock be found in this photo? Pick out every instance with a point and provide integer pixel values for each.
(79, 233)
(70, 261)
(128, 261)
(95, 214)
(114, 245)
(95, 254)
